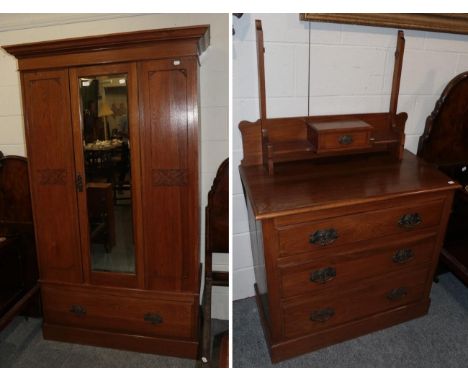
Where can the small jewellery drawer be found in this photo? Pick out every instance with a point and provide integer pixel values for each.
(343, 141)
(339, 135)
(118, 313)
(320, 234)
(333, 270)
(307, 316)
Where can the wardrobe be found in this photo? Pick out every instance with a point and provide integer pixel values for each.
(112, 133)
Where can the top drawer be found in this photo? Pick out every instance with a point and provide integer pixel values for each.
(316, 235)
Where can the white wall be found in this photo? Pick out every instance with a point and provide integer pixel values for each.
(214, 82)
(351, 72)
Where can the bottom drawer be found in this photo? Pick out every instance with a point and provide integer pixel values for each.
(120, 312)
(312, 315)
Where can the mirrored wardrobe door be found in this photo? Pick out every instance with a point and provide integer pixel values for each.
(106, 143)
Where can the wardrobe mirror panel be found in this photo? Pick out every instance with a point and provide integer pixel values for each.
(107, 153)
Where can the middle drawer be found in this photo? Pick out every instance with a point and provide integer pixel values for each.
(333, 270)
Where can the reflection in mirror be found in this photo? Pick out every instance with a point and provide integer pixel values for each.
(106, 148)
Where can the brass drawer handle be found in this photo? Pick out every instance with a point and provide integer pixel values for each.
(78, 310)
(397, 294)
(321, 276)
(403, 256)
(154, 319)
(323, 237)
(410, 220)
(345, 139)
(322, 315)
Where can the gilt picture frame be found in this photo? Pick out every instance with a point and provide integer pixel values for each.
(433, 22)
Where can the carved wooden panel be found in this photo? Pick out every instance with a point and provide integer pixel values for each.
(169, 172)
(50, 150)
(52, 177)
(170, 177)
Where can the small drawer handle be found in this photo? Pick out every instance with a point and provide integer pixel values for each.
(410, 220)
(78, 310)
(397, 294)
(322, 315)
(323, 236)
(321, 276)
(403, 256)
(154, 319)
(345, 139)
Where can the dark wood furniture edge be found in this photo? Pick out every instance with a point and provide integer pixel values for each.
(2, 157)
(305, 344)
(455, 266)
(144, 344)
(425, 136)
(446, 119)
(28, 295)
(110, 41)
(223, 349)
(19, 306)
(216, 215)
(221, 175)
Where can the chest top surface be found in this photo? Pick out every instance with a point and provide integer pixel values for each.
(306, 186)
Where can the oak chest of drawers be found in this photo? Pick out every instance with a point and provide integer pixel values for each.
(343, 247)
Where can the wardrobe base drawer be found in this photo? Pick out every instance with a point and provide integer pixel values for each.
(132, 342)
(120, 312)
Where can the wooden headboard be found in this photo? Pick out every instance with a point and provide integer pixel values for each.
(445, 138)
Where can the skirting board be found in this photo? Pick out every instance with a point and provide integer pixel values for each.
(143, 344)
